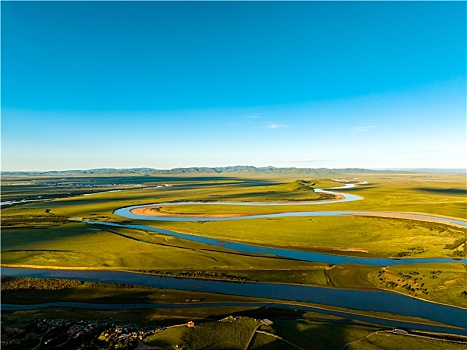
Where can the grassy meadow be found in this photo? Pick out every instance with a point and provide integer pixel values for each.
(344, 235)
(38, 234)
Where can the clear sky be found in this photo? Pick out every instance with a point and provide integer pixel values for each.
(163, 85)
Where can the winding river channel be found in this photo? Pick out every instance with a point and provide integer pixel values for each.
(367, 300)
(127, 212)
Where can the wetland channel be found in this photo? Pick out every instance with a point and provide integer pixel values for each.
(366, 300)
(128, 213)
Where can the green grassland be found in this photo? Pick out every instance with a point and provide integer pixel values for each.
(105, 203)
(385, 341)
(345, 235)
(432, 194)
(313, 335)
(79, 245)
(38, 234)
(436, 194)
(234, 333)
(218, 335)
(438, 282)
(442, 282)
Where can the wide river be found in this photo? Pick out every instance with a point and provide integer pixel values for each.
(378, 301)
(367, 300)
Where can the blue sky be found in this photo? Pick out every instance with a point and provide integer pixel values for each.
(163, 85)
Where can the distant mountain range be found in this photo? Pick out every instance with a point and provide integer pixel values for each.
(238, 169)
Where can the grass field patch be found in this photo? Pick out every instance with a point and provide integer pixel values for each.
(345, 235)
(443, 282)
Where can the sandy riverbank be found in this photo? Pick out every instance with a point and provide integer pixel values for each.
(152, 211)
(149, 211)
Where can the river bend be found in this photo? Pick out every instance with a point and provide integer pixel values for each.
(354, 299)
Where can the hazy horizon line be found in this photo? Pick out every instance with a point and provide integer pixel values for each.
(231, 166)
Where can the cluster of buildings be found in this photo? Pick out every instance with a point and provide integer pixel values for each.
(63, 333)
(73, 329)
(77, 330)
(128, 331)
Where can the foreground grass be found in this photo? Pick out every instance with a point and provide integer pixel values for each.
(232, 332)
(317, 335)
(387, 341)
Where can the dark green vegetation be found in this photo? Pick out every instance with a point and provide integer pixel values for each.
(213, 329)
(39, 234)
(217, 327)
(43, 290)
(446, 283)
(234, 331)
(32, 221)
(26, 291)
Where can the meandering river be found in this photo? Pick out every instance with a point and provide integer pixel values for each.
(127, 212)
(378, 301)
(280, 252)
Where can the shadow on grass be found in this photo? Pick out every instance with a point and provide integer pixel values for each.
(36, 239)
(272, 196)
(288, 324)
(49, 190)
(443, 190)
(292, 326)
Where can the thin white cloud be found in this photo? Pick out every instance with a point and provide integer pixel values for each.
(253, 116)
(309, 160)
(274, 125)
(426, 151)
(303, 160)
(364, 128)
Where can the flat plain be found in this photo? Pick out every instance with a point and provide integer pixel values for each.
(37, 233)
